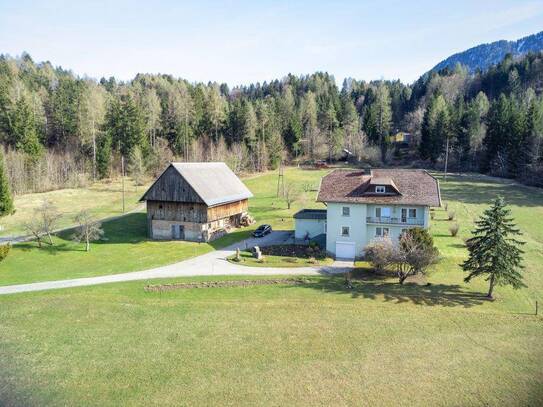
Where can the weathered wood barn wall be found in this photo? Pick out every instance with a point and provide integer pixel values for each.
(177, 210)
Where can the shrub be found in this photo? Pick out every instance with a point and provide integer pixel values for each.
(454, 229)
(432, 215)
(4, 250)
(451, 215)
(312, 260)
(414, 253)
(380, 254)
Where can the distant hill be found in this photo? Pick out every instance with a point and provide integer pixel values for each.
(484, 55)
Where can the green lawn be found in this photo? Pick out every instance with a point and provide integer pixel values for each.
(316, 344)
(126, 247)
(381, 343)
(103, 199)
(247, 259)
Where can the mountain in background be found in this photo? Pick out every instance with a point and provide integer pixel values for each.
(485, 55)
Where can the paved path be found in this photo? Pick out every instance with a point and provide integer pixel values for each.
(209, 264)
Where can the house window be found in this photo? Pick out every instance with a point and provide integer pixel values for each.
(382, 212)
(412, 213)
(380, 189)
(346, 211)
(345, 231)
(381, 232)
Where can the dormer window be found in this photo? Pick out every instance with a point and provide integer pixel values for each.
(380, 189)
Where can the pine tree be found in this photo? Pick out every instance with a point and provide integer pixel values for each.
(25, 136)
(435, 128)
(6, 200)
(495, 141)
(493, 250)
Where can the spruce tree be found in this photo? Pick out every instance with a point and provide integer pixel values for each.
(493, 250)
(6, 200)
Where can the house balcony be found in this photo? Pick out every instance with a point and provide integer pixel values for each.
(385, 220)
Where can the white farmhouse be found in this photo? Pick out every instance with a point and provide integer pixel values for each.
(362, 205)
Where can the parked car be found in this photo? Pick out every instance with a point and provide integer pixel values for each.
(262, 231)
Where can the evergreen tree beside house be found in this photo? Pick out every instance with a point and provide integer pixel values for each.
(494, 252)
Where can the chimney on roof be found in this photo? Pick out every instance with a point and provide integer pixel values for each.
(367, 170)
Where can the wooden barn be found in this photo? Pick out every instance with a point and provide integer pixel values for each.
(195, 201)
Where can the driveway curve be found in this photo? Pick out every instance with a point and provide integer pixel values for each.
(209, 264)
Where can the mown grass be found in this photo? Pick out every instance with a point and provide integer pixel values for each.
(103, 199)
(315, 344)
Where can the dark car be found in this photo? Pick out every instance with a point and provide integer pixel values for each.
(262, 231)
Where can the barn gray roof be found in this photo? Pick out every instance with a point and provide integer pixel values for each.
(214, 182)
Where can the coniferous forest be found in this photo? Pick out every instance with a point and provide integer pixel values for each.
(59, 129)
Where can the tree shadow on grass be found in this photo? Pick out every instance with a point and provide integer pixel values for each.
(49, 249)
(378, 287)
(131, 228)
(481, 190)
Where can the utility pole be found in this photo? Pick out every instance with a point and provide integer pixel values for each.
(280, 179)
(122, 176)
(446, 159)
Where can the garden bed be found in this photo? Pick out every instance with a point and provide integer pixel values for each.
(220, 284)
(294, 250)
(247, 259)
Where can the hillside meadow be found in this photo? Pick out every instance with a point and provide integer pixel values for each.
(316, 343)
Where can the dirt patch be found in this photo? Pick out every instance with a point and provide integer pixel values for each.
(221, 284)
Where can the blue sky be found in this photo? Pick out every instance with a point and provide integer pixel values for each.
(240, 42)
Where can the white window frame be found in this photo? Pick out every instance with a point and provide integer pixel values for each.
(382, 231)
(380, 209)
(348, 231)
(380, 189)
(348, 211)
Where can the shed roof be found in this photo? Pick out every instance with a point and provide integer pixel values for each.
(214, 182)
(414, 187)
(310, 214)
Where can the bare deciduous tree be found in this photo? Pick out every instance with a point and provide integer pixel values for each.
(290, 194)
(89, 229)
(49, 215)
(44, 222)
(33, 228)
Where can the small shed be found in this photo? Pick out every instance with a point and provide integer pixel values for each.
(309, 223)
(195, 201)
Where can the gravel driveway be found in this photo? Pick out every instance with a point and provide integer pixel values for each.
(209, 264)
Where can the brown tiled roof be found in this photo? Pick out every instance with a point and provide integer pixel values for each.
(415, 187)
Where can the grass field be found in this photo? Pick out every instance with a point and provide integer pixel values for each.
(318, 344)
(103, 199)
(312, 344)
(126, 247)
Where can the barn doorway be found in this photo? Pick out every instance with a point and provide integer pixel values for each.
(178, 232)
